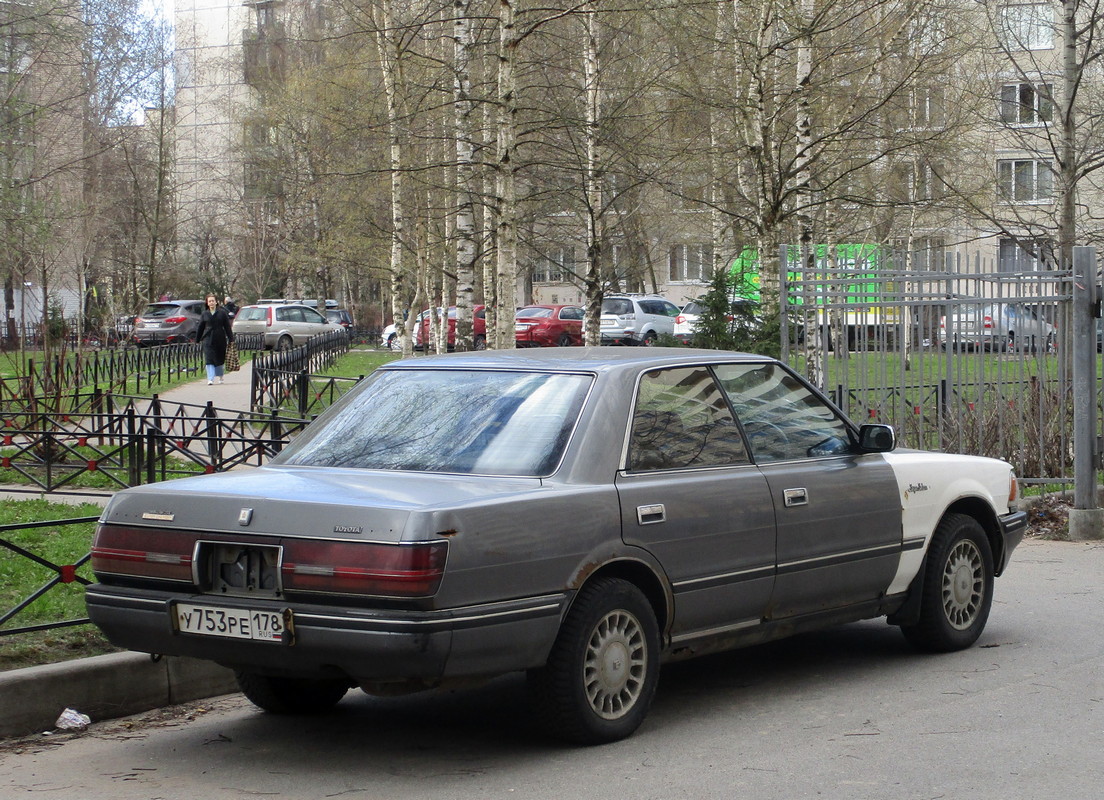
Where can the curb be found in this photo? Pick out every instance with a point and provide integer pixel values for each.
(104, 687)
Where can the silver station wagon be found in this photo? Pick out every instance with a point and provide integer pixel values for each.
(581, 514)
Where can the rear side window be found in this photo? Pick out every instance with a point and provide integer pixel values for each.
(681, 420)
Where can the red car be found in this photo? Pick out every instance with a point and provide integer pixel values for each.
(479, 324)
(548, 326)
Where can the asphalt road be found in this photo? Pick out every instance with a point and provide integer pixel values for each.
(849, 713)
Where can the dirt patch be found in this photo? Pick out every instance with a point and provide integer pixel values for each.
(1048, 518)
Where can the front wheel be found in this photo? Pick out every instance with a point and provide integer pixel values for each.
(601, 676)
(480, 342)
(290, 695)
(957, 587)
(393, 343)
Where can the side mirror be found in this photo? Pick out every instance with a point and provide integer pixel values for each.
(875, 438)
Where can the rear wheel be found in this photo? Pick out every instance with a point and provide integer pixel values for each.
(284, 343)
(393, 342)
(290, 695)
(601, 675)
(564, 340)
(649, 339)
(957, 587)
(480, 342)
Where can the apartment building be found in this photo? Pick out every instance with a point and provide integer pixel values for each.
(980, 193)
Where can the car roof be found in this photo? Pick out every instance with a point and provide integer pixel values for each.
(589, 359)
(279, 305)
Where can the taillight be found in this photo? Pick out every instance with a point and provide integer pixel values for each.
(411, 570)
(143, 553)
(270, 317)
(942, 323)
(175, 320)
(987, 321)
(680, 319)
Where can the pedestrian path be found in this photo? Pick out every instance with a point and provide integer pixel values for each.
(233, 395)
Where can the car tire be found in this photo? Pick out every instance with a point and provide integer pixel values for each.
(957, 587)
(564, 340)
(649, 339)
(284, 343)
(290, 695)
(601, 675)
(480, 343)
(393, 343)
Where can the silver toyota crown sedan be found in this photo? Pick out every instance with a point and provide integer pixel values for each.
(581, 514)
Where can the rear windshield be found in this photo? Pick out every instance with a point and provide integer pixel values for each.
(252, 312)
(524, 313)
(162, 310)
(466, 421)
(618, 306)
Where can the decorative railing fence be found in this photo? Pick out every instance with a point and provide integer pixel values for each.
(71, 380)
(289, 380)
(58, 576)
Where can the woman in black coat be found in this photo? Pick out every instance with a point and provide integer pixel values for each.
(215, 333)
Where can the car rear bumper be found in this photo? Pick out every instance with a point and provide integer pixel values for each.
(360, 643)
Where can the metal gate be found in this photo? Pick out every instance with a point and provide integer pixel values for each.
(961, 359)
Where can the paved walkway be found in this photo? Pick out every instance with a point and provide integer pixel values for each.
(232, 395)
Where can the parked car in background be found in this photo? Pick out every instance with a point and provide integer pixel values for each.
(688, 317)
(284, 325)
(341, 316)
(389, 338)
(548, 326)
(636, 319)
(167, 322)
(578, 514)
(996, 326)
(422, 331)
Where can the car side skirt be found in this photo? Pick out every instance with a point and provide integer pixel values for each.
(752, 632)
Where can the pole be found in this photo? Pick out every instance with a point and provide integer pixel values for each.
(1086, 518)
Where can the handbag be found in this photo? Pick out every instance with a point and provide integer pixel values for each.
(233, 362)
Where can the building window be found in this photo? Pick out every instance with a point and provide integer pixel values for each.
(557, 267)
(927, 107)
(690, 262)
(1026, 103)
(1026, 26)
(1025, 180)
(910, 181)
(1024, 255)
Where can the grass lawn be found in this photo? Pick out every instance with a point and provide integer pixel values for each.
(20, 577)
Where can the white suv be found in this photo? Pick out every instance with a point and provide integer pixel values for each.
(636, 318)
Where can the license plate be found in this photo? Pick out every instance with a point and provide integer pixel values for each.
(151, 324)
(233, 623)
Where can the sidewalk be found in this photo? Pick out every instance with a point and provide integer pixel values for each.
(118, 684)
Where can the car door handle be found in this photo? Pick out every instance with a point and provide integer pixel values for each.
(650, 515)
(795, 497)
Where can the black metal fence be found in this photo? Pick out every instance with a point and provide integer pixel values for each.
(71, 381)
(289, 380)
(129, 441)
(59, 575)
